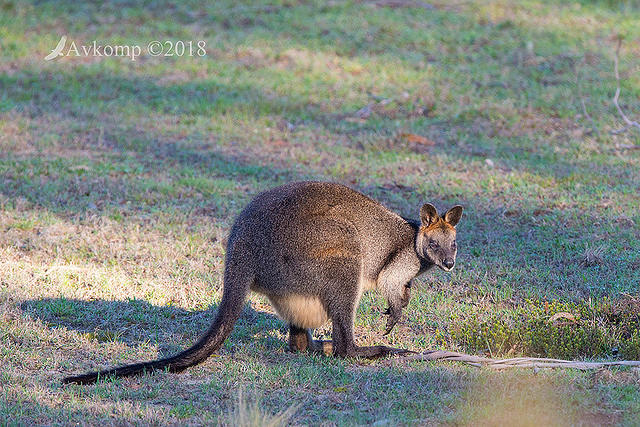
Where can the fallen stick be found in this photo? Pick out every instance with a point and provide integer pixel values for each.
(628, 123)
(516, 362)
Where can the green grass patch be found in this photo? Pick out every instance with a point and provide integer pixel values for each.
(563, 330)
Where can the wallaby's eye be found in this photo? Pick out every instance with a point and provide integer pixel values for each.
(454, 245)
(433, 245)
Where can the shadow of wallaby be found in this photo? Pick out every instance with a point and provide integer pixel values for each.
(136, 322)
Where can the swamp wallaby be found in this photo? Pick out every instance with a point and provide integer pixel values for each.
(313, 248)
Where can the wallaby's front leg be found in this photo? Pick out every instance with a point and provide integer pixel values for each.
(341, 305)
(404, 299)
(342, 317)
(394, 282)
(394, 311)
(406, 296)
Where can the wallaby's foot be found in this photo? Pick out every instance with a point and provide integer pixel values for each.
(375, 351)
(322, 347)
(300, 339)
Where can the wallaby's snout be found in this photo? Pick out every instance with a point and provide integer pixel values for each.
(437, 236)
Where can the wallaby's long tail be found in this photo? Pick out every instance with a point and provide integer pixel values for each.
(236, 288)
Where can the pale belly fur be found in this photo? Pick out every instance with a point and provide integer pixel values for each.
(302, 311)
(305, 311)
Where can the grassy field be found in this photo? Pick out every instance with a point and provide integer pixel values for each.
(119, 181)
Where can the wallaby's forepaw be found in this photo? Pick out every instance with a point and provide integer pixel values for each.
(394, 317)
(391, 322)
(394, 311)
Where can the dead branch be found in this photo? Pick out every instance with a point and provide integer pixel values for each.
(628, 147)
(394, 4)
(629, 123)
(517, 362)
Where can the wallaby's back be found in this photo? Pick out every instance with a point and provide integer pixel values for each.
(291, 229)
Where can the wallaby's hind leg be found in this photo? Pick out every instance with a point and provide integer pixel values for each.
(344, 343)
(342, 312)
(300, 339)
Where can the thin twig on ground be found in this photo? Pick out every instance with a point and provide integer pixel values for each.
(581, 96)
(629, 123)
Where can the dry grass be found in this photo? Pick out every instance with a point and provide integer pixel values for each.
(247, 414)
(119, 182)
(593, 255)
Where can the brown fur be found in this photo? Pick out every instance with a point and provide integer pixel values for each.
(313, 248)
(331, 253)
(440, 224)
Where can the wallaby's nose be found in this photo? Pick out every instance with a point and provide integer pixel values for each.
(448, 263)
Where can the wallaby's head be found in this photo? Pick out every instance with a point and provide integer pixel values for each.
(436, 240)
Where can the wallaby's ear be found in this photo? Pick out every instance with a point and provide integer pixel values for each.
(453, 215)
(428, 214)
